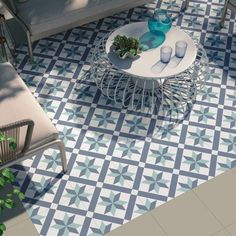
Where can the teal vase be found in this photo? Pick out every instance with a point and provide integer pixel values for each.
(159, 22)
(158, 26)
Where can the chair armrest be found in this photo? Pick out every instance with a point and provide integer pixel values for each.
(18, 124)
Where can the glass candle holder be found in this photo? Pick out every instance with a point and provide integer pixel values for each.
(180, 49)
(166, 52)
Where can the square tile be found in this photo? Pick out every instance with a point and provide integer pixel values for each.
(105, 119)
(161, 155)
(139, 226)
(120, 174)
(195, 162)
(96, 142)
(213, 194)
(192, 210)
(156, 182)
(200, 137)
(232, 229)
(74, 113)
(86, 167)
(128, 148)
(203, 114)
(61, 218)
(76, 195)
(112, 203)
(135, 125)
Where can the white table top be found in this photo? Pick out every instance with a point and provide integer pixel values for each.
(141, 67)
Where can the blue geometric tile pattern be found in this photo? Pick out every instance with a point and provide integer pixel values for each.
(122, 164)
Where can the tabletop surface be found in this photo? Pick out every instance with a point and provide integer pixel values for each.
(141, 67)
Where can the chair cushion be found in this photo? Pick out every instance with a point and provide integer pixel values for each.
(44, 15)
(233, 2)
(17, 103)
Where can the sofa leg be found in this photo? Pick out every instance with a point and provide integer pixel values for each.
(30, 50)
(63, 155)
(222, 21)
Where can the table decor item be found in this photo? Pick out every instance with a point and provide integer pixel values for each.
(180, 48)
(180, 52)
(158, 26)
(126, 47)
(160, 22)
(133, 83)
(166, 52)
(142, 66)
(165, 57)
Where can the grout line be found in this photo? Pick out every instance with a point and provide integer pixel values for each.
(226, 227)
(17, 223)
(228, 232)
(211, 213)
(158, 223)
(219, 232)
(233, 170)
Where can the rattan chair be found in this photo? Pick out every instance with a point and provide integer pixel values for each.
(229, 4)
(21, 132)
(23, 119)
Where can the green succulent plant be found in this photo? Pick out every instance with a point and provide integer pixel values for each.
(124, 44)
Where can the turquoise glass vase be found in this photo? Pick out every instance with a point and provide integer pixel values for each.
(159, 22)
(158, 26)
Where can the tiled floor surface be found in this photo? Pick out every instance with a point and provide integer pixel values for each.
(207, 210)
(115, 173)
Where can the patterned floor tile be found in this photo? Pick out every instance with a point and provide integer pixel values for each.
(129, 149)
(122, 164)
(120, 174)
(155, 182)
(64, 223)
(161, 155)
(112, 204)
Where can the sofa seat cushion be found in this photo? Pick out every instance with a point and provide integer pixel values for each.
(17, 103)
(43, 15)
(233, 2)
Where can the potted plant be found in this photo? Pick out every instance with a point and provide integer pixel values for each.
(7, 177)
(126, 46)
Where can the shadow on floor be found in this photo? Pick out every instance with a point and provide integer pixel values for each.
(8, 214)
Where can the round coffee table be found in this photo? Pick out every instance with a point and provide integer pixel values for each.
(135, 84)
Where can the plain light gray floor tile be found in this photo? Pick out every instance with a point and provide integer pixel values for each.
(186, 216)
(141, 226)
(232, 229)
(24, 228)
(223, 232)
(219, 195)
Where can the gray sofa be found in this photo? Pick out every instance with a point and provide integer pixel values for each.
(42, 18)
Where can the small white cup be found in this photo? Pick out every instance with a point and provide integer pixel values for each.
(180, 48)
(166, 52)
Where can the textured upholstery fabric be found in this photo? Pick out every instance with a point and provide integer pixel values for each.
(233, 2)
(43, 15)
(17, 103)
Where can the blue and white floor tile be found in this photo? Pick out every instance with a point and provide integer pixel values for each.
(122, 164)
